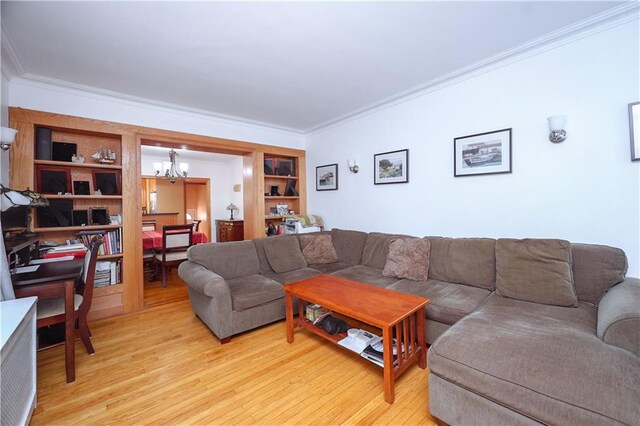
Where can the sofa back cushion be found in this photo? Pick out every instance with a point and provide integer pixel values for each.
(348, 245)
(469, 261)
(596, 269)
(535, 270)
(318, 249)
(229, 260)
(376, 250)
(265, 268)
(284, 254)
(408, 258)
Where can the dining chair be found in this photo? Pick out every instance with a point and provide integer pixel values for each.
(196, 224)
(51, 311)
(176, 239)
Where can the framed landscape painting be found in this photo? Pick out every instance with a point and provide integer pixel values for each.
(482, 154)
(391, 167)
(327, 177)
(634, 128)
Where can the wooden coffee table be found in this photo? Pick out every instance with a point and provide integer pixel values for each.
(395, 313)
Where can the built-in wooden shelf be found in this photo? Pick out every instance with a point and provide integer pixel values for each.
(281, 177)
(276, 217)
(82, 197)
(80, 165)
(110, 289)
(110, 256)
(283, 197)
(76, 228)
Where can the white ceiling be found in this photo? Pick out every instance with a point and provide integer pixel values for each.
(296, 65)
(184, 154)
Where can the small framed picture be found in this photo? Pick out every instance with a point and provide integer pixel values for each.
(482, 154)
(327, 177)
(107, 182)
(634, 128)
(100, 216)
(391, 167)
(285, 167)
(53, 180)
(80, 217)
(81, 187)
(268, 166)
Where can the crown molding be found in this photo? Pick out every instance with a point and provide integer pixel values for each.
(626, 12)
(11, 62)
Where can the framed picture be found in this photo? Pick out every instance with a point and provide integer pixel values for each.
(634, 128)
(391, 167)
(80, 217)
(268, 166)
(53, 180)
(482, 154)
(327, 177)
(107, 182)
(285, 167)
(81, 187)
(99, 216)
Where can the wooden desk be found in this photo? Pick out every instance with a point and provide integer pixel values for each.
(52, 280)
(391, 311)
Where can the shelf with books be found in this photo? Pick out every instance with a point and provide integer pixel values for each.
(83, 197)
(75, 228)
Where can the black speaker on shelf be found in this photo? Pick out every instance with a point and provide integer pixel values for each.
(43, 143)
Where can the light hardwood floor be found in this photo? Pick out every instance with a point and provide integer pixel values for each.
(163, 366)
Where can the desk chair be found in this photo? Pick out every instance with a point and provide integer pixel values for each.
(51, 311)
(176, 239)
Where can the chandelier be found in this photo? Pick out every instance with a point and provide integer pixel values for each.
(171, 172)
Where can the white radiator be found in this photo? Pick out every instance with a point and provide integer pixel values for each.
(17, 360)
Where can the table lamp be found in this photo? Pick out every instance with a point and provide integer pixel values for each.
(232, 207)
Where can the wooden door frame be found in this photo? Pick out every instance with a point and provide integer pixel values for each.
(207, 184)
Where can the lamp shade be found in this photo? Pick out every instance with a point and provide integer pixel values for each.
(557, 122)
(8, 135)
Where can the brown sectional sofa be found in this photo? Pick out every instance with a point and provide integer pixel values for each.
(493, 359)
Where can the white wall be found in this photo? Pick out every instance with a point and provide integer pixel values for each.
(584, 190)
(4, 120)
(51, 98)
(222, 176)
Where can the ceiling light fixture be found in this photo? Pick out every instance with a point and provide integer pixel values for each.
(171, 172)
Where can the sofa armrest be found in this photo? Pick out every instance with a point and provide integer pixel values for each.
(204, 281)
(619, 316)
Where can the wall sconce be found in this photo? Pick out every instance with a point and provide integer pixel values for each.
(7, 137)
(353, 166)
(556, 128)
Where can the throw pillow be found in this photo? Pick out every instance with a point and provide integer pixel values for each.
(283, 254)
(318, 249)
(408, 258)
(535, 270)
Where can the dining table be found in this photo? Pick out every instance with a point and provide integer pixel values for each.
(51, 280)
(153, 239)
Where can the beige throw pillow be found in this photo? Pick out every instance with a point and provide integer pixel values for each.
(318, 249)
(408, 258)
(535, 270)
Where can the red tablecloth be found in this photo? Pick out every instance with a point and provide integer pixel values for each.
(153, 239)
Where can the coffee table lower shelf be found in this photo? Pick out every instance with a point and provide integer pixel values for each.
(406, 323)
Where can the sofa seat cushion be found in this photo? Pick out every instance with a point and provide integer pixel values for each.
(367, 275)
(542, 361)
(253, 290)
(448, 302)
(284, 254)
(329, 268)
(293, 276)
(535, 270)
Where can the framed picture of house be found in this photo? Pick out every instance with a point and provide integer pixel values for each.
(391, 167)
(327, 177)
(107, 182)
(53, 180)
(634, 128)
(482, 153)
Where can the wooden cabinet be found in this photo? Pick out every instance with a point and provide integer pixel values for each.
(229, 230)
(282, 187)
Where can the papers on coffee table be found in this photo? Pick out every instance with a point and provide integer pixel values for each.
(361, 340)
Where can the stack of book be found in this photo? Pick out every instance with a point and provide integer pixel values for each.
(75, 250)
(112, 240)
(107, 273)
